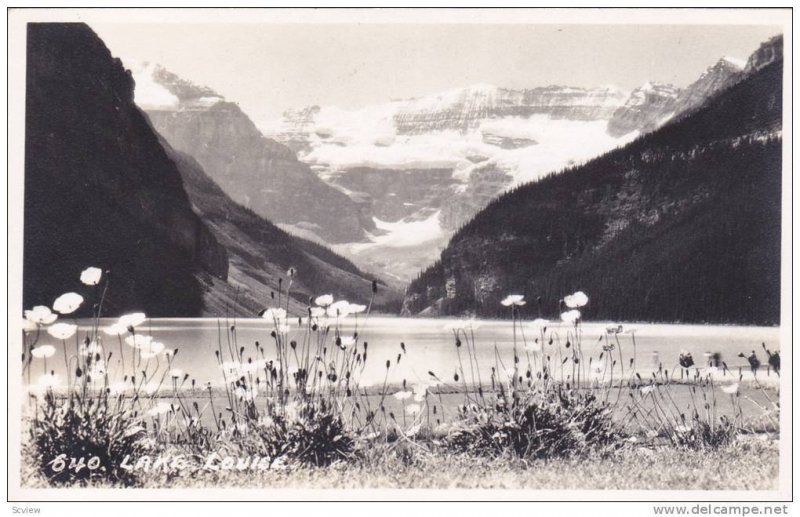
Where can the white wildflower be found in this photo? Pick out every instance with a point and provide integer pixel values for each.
(324, 300)
(133, 319)
(68, 303)
(91, 275)
(115, 329)
(41, 315)
(151, 349)
(62, 330)
(277, 315)
(138, 340)
(339, 309)
(513, 299)
(576, 300)
(42, 351)
(29, 326)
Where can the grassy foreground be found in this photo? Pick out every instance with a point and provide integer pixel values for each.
(750, 464)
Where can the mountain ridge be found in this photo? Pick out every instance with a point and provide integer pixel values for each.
(679, 225)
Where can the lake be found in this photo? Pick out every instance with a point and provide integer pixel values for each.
(431, 347)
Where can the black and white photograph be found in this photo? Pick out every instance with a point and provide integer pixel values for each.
(400, 254)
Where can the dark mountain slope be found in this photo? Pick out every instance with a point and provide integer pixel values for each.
(681, 225)
(99, 188)
(260, 253)
(253, 170)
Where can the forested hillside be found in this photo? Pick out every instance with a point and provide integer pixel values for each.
(682, 224)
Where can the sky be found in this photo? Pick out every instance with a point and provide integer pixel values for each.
(270, 67)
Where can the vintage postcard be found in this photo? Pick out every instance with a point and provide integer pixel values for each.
(494, 254)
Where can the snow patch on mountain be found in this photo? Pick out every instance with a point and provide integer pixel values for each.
(158, 89)
(439, 150)
(399, 249)
(405, 233)
(149, 94)
(738, 63)
(337, 140)
(562, 143)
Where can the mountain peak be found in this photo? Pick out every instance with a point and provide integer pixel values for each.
(769, 51)
(725, 67)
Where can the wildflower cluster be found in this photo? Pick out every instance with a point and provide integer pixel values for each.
(297, 398)
(81, 426)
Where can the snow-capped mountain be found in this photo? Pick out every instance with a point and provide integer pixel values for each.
(426, 165)
(652, 105)
(403, 175)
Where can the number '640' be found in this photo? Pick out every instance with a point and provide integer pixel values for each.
(62, 462)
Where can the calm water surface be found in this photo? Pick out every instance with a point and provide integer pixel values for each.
(430, 346)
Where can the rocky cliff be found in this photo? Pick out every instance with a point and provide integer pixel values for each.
(260, 173)
(99, 188)
(465, 109)
(768, 53)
